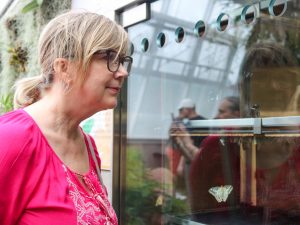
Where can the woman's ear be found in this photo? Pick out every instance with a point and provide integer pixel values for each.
(60, 66)
(62, 71)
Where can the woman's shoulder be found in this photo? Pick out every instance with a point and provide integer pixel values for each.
(20, 139)
(16, 128)
(17, 120)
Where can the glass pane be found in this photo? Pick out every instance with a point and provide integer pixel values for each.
(213, 119)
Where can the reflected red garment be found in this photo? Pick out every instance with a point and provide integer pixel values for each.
(283, 192)
(33, 184)
(281, 195)
(174, 156)
(214, 165)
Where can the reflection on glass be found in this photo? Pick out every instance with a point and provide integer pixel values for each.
(144, 45)
(222, 22)
(179, 34)
(249, 14)
(160, 40)
(277, 7)
(270, 68)
(199, 29)
(131, 49)
(178, 173)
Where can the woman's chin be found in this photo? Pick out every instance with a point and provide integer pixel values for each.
(110, 105)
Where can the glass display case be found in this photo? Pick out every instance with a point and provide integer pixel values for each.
(212, 115)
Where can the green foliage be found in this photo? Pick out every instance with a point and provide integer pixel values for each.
(34, 4)
(175, 206)
(6, 103)
(19, 38)
(140, 200)
(18, 58)
(144, 196)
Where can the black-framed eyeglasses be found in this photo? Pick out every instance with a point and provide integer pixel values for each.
(114, 61)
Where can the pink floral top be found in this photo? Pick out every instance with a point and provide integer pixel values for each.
(90, 205)
(37, 188)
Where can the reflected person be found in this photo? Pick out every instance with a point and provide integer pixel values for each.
(207, 167)
(179, 159)
(269, 81)
(216, 164)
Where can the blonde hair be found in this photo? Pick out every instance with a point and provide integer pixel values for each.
(75, 36)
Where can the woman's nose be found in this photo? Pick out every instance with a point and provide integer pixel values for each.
(121, 72)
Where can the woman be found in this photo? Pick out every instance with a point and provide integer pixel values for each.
(47, 171)
(269, 81)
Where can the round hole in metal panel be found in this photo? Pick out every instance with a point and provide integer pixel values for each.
(145, 45)
(179, 34)
(222, 21)
(249, 14)
(199, 28)
(131, 49)
(160, 40)
(277, 7)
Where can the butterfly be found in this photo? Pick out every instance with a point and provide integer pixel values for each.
(221, 193)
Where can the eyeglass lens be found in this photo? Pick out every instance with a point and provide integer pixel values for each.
(127, 62)
(114, 62)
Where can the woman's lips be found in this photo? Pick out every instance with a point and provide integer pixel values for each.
(114, 90)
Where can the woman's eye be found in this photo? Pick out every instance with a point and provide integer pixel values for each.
(114, 61)
(101, 56)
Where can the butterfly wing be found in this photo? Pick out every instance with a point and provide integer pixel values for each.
(216, 192)
(221, 193)
(226, 190)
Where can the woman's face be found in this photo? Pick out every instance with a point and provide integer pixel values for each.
(101, 87)
(272, 89)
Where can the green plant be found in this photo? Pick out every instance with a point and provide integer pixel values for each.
(19, 38)
(34, 4)
(140, 202)
(18, 58)
(6, 103)
(145, 197)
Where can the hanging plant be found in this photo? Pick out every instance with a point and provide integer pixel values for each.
(18, 58)
(50, 9)
(34, 4)
(11, 25)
